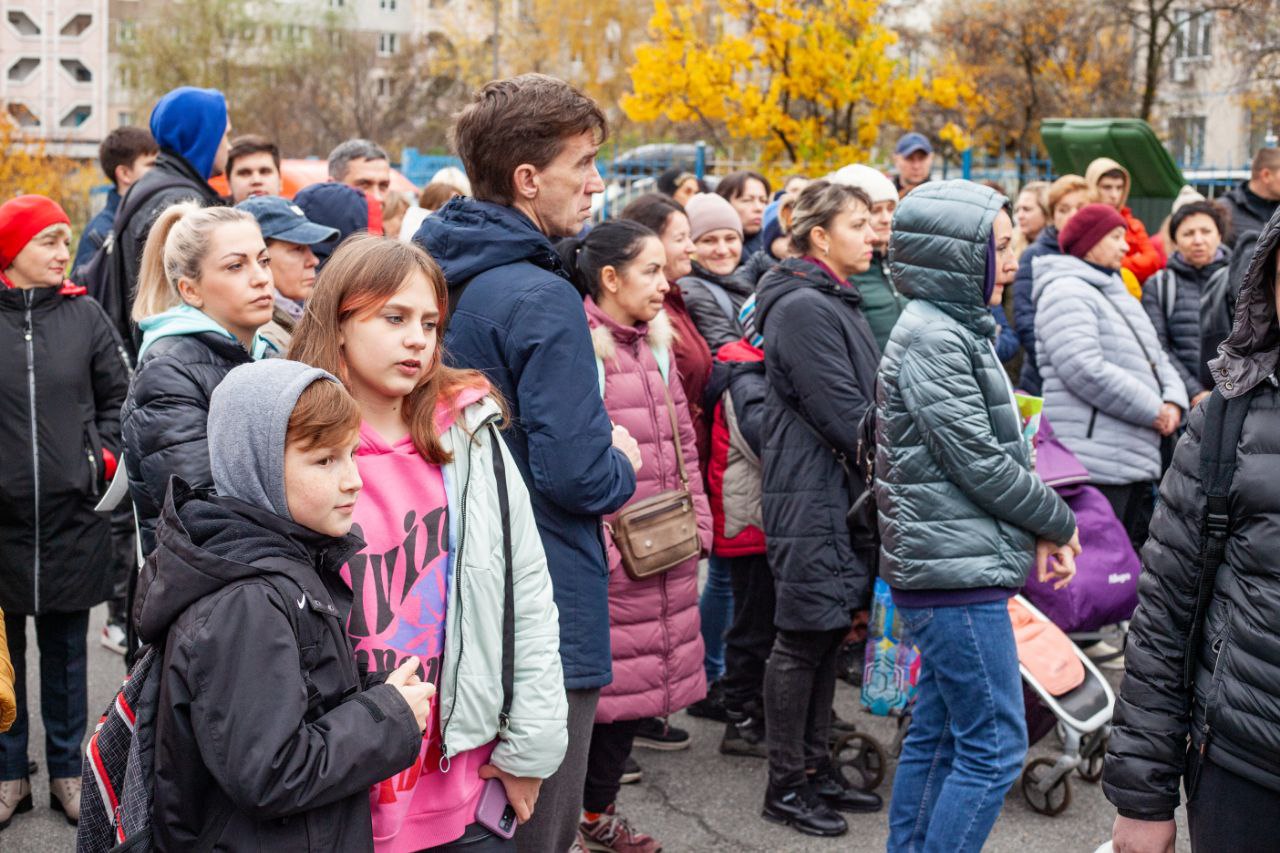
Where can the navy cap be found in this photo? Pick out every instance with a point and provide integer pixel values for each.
(912, 142)
(281, 219)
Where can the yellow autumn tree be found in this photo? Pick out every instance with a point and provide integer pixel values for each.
(812, 84)
(27, 167)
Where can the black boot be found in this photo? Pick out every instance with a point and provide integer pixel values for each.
(802, 810)
(835, 791)
(744, 735)
(711, 708)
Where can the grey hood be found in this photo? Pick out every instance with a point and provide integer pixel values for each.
(940, 249)
(248, 417)
(1250, 352)
(1047, 269)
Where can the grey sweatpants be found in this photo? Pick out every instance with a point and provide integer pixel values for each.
(559, 809)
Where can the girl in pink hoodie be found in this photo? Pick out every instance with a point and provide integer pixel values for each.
(429, 491)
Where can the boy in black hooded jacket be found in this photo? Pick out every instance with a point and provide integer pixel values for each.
(261, 744)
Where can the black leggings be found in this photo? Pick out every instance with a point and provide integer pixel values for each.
(610, 746)
(1226, 812)
(1133, 504)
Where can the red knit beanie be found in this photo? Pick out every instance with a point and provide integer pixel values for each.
(1089, 225)
(23, 218)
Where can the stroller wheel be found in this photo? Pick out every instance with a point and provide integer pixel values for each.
(1051, 802)
(1090, 768)
(860, 759)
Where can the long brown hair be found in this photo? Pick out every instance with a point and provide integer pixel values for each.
(359, 278)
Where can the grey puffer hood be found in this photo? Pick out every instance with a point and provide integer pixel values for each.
(1249, 354)
(940, 249)
(248, 417)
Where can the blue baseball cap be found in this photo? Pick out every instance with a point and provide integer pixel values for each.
(912, 142)
(281, 219)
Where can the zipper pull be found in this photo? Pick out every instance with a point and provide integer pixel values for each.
(444, 757)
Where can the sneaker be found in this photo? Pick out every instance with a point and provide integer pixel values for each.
(1101, 650)
(15, 798)
(834, 790)
(803, 810)
(610, 833)
(64, 796)
(631, 772)
(711, 708)
(113, 637)
(744, 735)
(579, 844)
(655, 733)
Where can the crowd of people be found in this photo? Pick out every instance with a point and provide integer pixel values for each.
(424, 486)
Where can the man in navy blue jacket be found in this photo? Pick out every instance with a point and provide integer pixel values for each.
(528, 145)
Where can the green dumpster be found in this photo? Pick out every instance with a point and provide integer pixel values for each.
(1073, 143)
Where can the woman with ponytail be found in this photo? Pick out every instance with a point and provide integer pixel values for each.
(653, 623)
(441, 532)
(204, 289)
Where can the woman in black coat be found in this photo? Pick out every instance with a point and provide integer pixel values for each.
(60, 394)
(1219, 734)
(820, 363)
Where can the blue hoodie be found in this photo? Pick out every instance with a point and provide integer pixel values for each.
(191, 122)
(186, 320)
(516, 317)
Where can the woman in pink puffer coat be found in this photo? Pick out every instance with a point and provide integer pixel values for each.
(653, 624)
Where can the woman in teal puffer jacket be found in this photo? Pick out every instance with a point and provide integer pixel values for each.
(962, 516)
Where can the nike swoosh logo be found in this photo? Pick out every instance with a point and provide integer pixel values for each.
(302, 601)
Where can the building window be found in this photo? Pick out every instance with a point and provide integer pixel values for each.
(22, 22)
(77, 69)
(77, 25)
(124, 118)
(127, 32)
(1193, 34)
(76, 116)
(22, 115)
(1186, 140)
(387, 44)
(387, 5)
(22, 69)
(386, 87)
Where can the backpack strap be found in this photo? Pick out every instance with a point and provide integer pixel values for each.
(509, 593)
(721, 296)
(1220, 436)
(1166, 291)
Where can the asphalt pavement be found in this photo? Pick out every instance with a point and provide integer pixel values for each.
(694, 801)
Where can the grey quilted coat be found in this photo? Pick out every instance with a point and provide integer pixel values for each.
(1104, 379)
(959, 505)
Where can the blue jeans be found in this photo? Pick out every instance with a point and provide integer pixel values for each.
(715, 609)
(968, 733)
(64, 692)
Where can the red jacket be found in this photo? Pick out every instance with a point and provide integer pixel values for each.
(734, 473)
(1143, 259)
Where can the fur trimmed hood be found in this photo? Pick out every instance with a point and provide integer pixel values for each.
(658, 333)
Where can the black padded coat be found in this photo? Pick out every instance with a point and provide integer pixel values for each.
(1191, 310)
(1233, 709)
(165, 418)
(820, 364)
(60, 393)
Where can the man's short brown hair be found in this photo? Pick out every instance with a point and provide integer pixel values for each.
(251, 143)
(324, 416)
(122, 147)
(1266, 158)
(519, 120)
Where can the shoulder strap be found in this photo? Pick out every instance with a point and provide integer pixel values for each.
(1220, 436)
(133, 203)
(509, 594)
(1155, 371)
(1166, 291)
(721, 296)
(675, 435)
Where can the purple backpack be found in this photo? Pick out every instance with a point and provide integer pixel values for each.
(1105, 588)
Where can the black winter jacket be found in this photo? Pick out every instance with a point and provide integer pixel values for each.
(1191, 309)
(65, 378)
(704, 292)
(278, 741)
(1233, 710)
(164, 420)
(1249, 212)
(1024, 307)
(820, 363)
(170, 168)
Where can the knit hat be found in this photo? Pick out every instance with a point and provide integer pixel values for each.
(249, 415)
(23, 218)
(869, 180)
(1089, 225)
(1186, 196)
(709, 212)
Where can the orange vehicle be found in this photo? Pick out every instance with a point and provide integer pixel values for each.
(297, 174)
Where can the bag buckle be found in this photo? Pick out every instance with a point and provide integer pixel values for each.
(1217, 524)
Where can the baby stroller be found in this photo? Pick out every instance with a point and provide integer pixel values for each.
(1079, 700)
